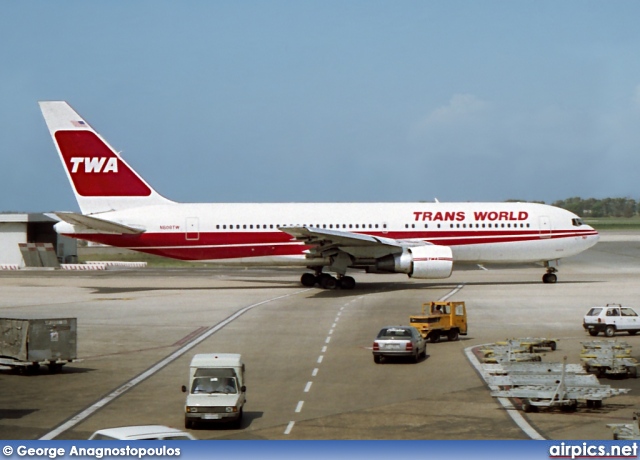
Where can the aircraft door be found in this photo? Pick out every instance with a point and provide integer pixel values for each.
(545, 227)
(193, 229)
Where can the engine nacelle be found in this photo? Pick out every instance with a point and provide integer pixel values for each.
(425, 262)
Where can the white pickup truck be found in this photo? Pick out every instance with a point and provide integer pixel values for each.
(610, 319)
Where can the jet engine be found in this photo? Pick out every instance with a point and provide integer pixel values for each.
(425, 262)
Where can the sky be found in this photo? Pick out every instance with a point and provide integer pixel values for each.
(330, 101)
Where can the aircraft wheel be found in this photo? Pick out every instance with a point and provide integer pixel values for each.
(347, 282)
(549, 278)
(328, 282)
(308, 279)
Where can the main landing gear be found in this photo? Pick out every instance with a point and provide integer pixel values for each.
(550, 277)
(326, 281)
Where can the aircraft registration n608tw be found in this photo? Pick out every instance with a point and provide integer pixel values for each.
(422, 240)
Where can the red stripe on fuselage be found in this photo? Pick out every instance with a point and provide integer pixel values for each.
(230, 245)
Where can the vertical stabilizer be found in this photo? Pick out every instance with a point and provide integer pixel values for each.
(101, 180)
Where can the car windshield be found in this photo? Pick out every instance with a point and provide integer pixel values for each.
(210, 385)
(394, 333)
(594, 311)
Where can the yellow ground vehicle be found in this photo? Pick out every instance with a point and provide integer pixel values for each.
(441, 318)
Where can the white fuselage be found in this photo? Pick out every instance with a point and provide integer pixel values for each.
(248, 233)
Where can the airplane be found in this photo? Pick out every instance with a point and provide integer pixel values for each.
(422, 240)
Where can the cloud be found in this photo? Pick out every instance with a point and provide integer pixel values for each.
(544, 152)
(461, 110)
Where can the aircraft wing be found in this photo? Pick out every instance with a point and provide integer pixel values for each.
(97, 224)
(357, 244)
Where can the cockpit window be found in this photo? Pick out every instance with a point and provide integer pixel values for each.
(577, 222)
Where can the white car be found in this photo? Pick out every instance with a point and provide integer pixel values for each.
(142, 432)
(610, 319)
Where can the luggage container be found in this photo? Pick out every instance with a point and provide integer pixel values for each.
(28, 343)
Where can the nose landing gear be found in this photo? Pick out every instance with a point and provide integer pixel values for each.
(550, 277)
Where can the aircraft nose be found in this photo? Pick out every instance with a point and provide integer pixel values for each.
(592, 236)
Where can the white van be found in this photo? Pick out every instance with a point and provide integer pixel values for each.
(216, 390)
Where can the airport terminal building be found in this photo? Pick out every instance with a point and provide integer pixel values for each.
(29, 240)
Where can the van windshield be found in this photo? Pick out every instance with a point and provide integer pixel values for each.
(211, 385)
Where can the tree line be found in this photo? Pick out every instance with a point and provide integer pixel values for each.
(606, 207)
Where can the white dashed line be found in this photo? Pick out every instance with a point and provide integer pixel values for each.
(289, 427)
(308, 387)
(299, 406)
(320, 359)
(76, 419)
(315, 372)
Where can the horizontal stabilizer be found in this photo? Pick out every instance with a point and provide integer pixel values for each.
(99, 225)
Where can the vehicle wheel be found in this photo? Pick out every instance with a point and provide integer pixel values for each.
(308, 279)
(376, 359)
(238, 423)
(188, 423)
(594, 403)
(527, 406)
(347, 282)
(434, 337)
(572, 406)
(632, 371)
(633, 332)
(32, 369)
(593, 332)
(54, 368)
(610, 331)
(453, 335)
(553, 346)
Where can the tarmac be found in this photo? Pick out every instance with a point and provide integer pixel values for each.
(310, 372)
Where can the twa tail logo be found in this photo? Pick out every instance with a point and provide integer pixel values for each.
(94, 164)
(95, 169)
